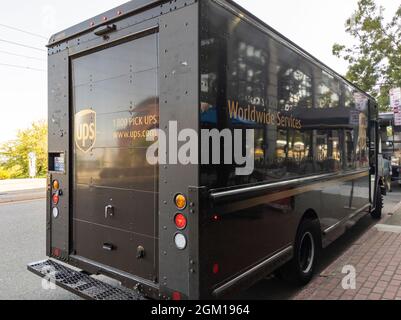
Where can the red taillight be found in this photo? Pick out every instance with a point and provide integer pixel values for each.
(56, 199)
(216, 218)
(180, 221)
(177, 296)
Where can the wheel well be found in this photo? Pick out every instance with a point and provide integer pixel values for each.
(310, 215)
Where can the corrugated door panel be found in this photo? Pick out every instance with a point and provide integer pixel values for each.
(116, 248)
(116, 106)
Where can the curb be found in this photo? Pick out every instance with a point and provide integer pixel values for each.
(388, 228)
(19, 196)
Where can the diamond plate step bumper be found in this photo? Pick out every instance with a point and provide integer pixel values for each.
(81, 284)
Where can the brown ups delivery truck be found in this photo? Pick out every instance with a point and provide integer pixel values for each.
(197, 230)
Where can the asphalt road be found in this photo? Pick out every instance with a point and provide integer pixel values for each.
(22, 240)
(22, 195)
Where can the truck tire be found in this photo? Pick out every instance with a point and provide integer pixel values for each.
(300, 270)
(377, 212)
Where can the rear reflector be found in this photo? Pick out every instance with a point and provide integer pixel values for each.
(216, 268)
(177, 296)
(180, 221)
(56, 252)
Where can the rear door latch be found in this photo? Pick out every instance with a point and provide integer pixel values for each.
(108, 211)
(140, 254)
(108, 247)
(105, 30)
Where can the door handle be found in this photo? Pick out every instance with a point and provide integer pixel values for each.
(140, 254)
(108, 211)
(108, 247)
(102, 31)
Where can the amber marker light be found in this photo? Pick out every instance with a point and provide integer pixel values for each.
(180, 201)
(56, 185)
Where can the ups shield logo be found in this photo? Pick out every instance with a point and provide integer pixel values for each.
(85, 130)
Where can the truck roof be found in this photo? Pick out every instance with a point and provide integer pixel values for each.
(105, 18)
(134, 6)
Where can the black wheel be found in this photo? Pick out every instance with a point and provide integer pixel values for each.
(301, 268)
(377, 212)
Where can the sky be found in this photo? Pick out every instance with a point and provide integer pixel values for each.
(315, 25)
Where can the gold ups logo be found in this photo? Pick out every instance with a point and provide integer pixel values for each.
(85, 130)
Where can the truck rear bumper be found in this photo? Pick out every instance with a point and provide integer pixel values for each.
(80, 283)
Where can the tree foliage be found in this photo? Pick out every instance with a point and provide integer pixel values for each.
(14, 161)
(375, 58)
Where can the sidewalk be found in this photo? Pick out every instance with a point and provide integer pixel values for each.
(22, 190)
(376, 257)
(21, 184)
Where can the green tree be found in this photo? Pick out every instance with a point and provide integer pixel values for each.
(14, 162)
(375, 58)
